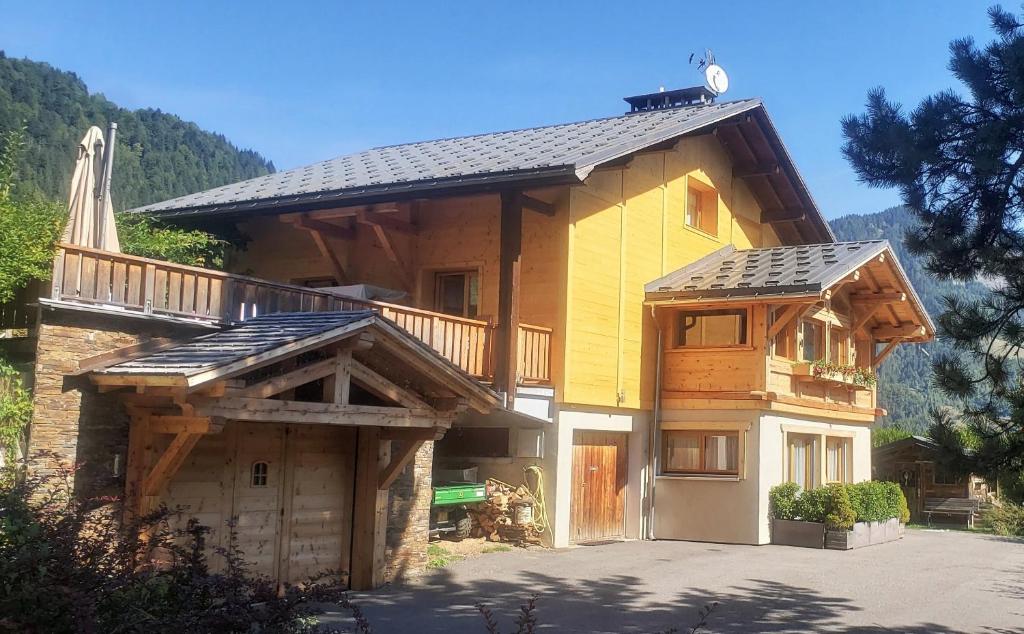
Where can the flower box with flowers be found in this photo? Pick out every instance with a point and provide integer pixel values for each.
(849, 376)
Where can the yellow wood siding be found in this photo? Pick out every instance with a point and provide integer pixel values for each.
(629, 228)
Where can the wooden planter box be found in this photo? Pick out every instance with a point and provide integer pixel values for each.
(805, 372)
(864, 534)
(797, 533)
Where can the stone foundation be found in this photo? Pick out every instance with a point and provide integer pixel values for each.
(405, 550)
(71, 420)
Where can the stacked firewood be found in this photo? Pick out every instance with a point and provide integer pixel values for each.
(495, 519)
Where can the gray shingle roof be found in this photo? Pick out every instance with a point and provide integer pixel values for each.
(249, 338)
(790, 270)
(567, 152)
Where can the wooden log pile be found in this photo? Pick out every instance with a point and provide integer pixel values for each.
(495, 518)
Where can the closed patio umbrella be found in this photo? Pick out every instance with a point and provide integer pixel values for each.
(90, 211)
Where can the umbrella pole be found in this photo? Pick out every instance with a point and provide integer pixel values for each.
(108, 168)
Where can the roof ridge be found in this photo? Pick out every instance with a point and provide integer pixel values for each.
(549, 125)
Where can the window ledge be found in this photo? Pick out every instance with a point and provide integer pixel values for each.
(705, 478)
(711, 349)
(701, 232)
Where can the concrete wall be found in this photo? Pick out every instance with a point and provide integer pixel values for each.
(632, 422)
(713, 509)
(735, 510)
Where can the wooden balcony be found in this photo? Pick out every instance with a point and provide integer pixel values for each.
(119, 282)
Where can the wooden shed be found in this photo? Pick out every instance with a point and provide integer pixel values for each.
(913, 463)
(294, 425)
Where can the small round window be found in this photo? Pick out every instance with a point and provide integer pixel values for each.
(259, 474)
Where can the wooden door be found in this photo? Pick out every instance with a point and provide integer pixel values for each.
(317, 515)
(597, 506)
(258, 488)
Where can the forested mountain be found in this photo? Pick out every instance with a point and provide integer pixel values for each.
(905, 386)
(158, 155)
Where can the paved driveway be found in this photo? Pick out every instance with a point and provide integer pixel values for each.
(928, 582)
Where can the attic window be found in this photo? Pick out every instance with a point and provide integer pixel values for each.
(260, 471)
(701, 207)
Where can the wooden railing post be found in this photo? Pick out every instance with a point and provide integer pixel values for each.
(57, 283)
(148, 288)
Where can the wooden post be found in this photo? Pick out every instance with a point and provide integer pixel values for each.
(506, 350)
(369, 517)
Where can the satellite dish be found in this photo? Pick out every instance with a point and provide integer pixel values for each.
(717, 80)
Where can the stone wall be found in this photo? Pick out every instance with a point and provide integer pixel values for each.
(71, 420)
(405, 550)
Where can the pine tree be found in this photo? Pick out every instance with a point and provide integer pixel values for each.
(958, 162)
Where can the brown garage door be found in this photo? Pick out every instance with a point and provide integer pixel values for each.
(597, 507)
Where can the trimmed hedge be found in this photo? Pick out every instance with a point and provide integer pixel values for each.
(839, 505)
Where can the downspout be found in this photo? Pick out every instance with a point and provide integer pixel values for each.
(654, 433)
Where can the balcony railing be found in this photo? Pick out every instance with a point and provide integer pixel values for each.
(115, 281)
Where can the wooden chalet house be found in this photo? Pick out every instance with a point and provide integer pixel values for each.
(635, 304)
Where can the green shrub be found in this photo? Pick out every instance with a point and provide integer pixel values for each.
(1006, 519)
(782, 501)
(812, 505)
(839, 505)
(840, 514)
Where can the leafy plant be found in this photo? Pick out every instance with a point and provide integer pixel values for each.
(1005, 519)
(782, 501)
(142, 236)
(840, 514)
(885, 435)
(855, 374)
(15, 410)
(29, 225)
(839, 505)
(813, 505)
(68, 566)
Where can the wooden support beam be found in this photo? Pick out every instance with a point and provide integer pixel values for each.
(903, 331)
(342, 376)
(886, 351)
(384, 240)
(398, 462)
(849, 279)
(280, 411)
(541, 207)
(123, 380)
(887, 296)
(776, 216)
(749, 171)
(185, 424)
(325, 228)
(388, 222)
(411, 434)
(870, 311)
(169, 463)
(509, 266)
(369, 517)
(328, 254)
(383, 388)
(783, 320)
(295, 378)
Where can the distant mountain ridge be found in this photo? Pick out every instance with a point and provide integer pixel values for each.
(905, 386)
(159, 155)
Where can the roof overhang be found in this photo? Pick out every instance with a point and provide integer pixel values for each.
(377, 331)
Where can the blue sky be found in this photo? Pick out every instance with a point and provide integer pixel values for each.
(302, 82)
